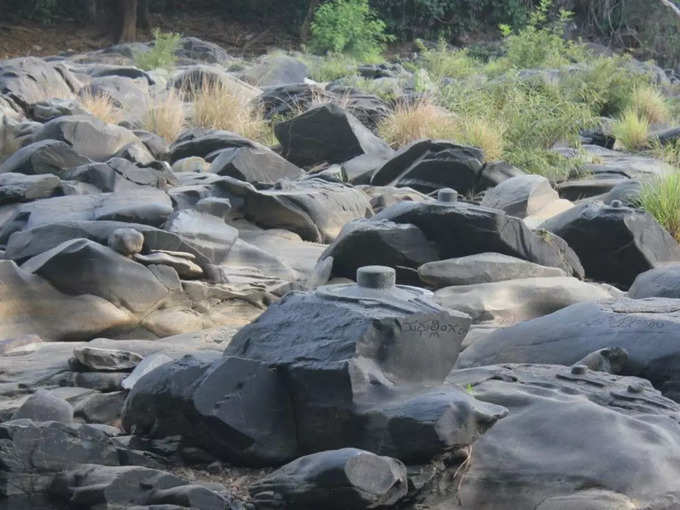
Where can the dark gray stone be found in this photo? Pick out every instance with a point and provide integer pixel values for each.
(660, 282)
(255, 165)
(614, 244)
(277, 70)
(126, 241)
(24, 188)
(31, 79)
(119, 174)
(44, 157)
(43, 406)
(203, 142)
(207, 234)
(107, 360)
(521, 196)
(339, 479)
(327, 134)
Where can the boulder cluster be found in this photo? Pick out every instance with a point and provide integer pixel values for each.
(212, 323)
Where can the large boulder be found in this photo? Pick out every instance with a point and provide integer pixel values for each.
(118, 174)
(254, 164)
(428, 165)
(24, 188)
(89, 136)
(44, 157)
(521, 196)
(385, 243)
(277, 70)
(625, 444)
(43, 406)
(30, 79)
(661, 282)
(459, 229)
(614, 244)
(511, 301)
(30, 305)
(327, 133)
(81, 266)
(339, 479)
(482, 268)
(202, 142)
(646, 329)
(205, 233)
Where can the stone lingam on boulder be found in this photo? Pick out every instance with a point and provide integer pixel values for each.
(347, 365)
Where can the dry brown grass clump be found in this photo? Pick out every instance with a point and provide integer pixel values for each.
(101, 106)
(649, 103)
(411, 122)
(165, 116)
(219, 106)
(486, 134)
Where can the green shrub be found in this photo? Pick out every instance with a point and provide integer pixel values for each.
(331, 67)
(631, 130)
(540, 43)
(661, 198)
(162, 54)
(442, 62)
(350, 27)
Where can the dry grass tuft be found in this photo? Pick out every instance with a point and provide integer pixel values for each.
(165, 116)
(650, 104)
(487, 135)
(101, 106)
(424, 119)
(631, 130)
(219, 106)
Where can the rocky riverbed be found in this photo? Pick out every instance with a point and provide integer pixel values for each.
(330, 322)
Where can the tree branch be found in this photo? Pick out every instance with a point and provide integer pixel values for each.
(672, 6)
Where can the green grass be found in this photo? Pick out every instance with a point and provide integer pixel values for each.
(331, 67)
(631, 130)
(661, 198)
(162, 54)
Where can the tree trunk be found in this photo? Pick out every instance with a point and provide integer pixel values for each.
(309, 17)
(127, 20)
(143, 15)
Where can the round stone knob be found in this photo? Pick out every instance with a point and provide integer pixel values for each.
(616, 204)
(447, 195)
(376, 277)
(579, 369)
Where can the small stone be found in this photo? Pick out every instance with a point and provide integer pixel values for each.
(126, 241)
(43, 406)
(106, 360)
(579, 369)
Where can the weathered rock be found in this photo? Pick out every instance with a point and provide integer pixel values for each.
(101, 408)
(24, 188)
(30, 305)
(43, 406)
(108, 360)
(44, 111)
(148, 364)
(236, 408)
(44, 157)
(182, 263)
(518, 464)
(196, 49)
(89, 136)
(20, 343)
(254, 164)
(605, 360)
(511, 301)
(290, 99)
(31, 79)
(101, 272)
(366, 242)
(482, 230)
(277, 70)
(118, 174)
(126, 241)
(339, 479)
(203, 142)
(521, 196)
(660, 282)
(207, 234)
(428, 165)
(645, 329)
(327, 134)
(614, 244)
(482, 268)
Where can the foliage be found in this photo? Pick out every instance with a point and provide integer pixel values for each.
(442, 62)
(162, 54)
(660, 197)
(649, 103)
(331, 67)
(411, 122)
(631, 130)
(350, 27)
(165, 116)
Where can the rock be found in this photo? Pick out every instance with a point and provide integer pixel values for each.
(218, 207)
(605, 360)
(129, 486)
(511, 301)
(237, 408)
(31, 79)
(101, 408)
(615, 244)
(484, 230)
(126, 241)
(119, 174)
(660, 282)
(290, 99)
(482, 268)
(184, 266)
(196, 49)
(190, 164)
(521, 196)
(89, 136)
(428, 165)
(43, 157)
(101, 272)
(339, 479)
(518, 464)
(327, 134)
(121, 91)
(366, 242)
(108, 360)
(44, 111)
(207, 234)
(105, 382)
(643, 328)
(18, 344)
(30, 305)
(24, 188)
(200, 143)
(277, 70)
(43, 406)
(254, 164)
(616, 164)
(148, 364)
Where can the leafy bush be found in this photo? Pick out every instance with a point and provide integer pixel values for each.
(162, 54)
(331, 67)
(661, 198)
(631, 130)
(351, 27)
(442, 62)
